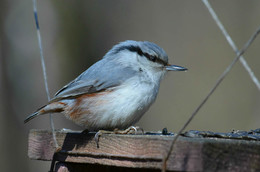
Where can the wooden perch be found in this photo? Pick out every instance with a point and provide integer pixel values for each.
(147, 151)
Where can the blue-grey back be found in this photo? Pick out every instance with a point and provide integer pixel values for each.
(104, 74)
(108, 72)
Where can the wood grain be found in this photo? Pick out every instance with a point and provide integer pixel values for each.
(146, 151)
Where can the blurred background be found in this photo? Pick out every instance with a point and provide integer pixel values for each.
(76, 34)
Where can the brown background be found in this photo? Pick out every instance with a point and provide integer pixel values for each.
(77, 34)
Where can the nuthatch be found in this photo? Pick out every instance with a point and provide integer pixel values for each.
(116, 91)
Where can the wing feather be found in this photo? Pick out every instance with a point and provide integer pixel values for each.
(103, 75)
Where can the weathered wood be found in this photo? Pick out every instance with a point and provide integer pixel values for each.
(146, 151)
(79, 167)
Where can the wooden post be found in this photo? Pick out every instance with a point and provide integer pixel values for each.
(144, 152)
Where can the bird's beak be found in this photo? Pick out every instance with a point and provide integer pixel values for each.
(175, 68)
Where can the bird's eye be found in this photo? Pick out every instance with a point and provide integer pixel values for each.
(150, 57)
(153, 58)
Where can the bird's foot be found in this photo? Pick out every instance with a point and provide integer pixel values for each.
(130, 130)
(99, 133)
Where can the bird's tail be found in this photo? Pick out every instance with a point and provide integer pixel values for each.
(49, 108)
(30, 117)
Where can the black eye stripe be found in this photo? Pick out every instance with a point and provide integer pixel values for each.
(141, 53)
(130, 48)
(155, 59)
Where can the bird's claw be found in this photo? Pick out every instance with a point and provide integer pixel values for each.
(97, 135)
(130, 130)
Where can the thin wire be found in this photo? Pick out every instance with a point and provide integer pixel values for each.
(231, 43)
(220, 79)
(44, 68)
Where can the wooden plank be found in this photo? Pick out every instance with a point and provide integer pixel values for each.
(80, 167)
(146, 151)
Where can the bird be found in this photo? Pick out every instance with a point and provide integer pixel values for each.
(114, 92)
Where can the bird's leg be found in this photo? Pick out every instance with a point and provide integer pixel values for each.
(86, 131)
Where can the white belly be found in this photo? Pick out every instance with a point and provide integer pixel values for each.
(126, 105)
(120, 108)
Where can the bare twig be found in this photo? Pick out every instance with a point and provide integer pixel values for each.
(44, 68)
(231, 43)
(220, 79)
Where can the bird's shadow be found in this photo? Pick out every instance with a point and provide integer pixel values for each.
(72, 142)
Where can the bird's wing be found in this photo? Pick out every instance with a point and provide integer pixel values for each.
(102, 75)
